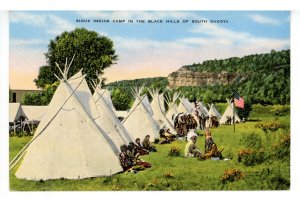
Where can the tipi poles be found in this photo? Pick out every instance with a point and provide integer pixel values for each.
(134, 108)
(233, 116)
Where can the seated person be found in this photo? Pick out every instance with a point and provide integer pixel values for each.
(166, 136)
(129, 161)
(191, 149)
(211, 149)
(132, 152)
(125, 160)
(139, 147)
(147, 144)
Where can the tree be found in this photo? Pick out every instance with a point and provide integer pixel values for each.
(93, 53)
(121, 99)
(40, 98)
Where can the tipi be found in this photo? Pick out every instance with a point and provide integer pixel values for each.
(158, 108)
(185, 106)
(213, 112)
(227, 117)
(16, 112)
(172, 107)
(108, 120)
(68, 143)
(139, 121)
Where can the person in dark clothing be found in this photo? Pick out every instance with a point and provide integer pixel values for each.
(211, 149)
(139, 147)
(147, 144)
(125, 160)
(129, 161)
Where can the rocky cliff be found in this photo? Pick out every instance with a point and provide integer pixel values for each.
(185, 77)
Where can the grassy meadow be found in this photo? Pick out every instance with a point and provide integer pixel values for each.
(266, 167)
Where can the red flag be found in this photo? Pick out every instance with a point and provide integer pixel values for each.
(238, 100)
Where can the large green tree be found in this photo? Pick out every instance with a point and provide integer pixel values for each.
(93, 53)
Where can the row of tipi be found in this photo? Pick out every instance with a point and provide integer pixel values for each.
(80, 134)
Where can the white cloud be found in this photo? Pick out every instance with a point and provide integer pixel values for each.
(26, 42)
(52, 24)
(143, 58)
(261, 19)
(27, 18)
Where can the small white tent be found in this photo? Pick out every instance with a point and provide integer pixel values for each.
(139, 121)
(16, 112)
(172, 107)
(213, 112)
(105, 93)
(158, 108)
(202, 108)
(227, 117)
(108, 120)
(185, 106)
(33, 112)
(145, 102)
(68, 143)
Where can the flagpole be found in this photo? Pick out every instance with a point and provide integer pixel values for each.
(233, 116)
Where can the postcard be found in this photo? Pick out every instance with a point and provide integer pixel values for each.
(149, 100)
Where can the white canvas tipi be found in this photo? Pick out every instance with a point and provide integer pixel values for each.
(172, 107)
(158, 108)
(16, 112)
(139, 121)
(68, 143)
(108, 119)
(228, 114)
(185, 106)
(213, 112)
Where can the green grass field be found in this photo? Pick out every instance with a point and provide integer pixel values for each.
(179, 173)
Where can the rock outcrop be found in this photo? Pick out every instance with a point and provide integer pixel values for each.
(185, 77)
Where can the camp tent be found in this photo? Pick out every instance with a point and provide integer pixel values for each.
(16, 112)
(105, 93)
(68, 143)
(16, 117)
(158, 108)
(227, 117)
(145, 102)
(33, 112)
(185, 106)
(213, 112)
(214, 116)
(172, 107)
(202, 109)
(108, 120)
(139, 121)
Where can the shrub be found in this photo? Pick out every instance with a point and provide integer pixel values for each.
(270, 126)
(174, 151)
(281, 110)
(273, 179)
(251, 157)
(282, 149)
(231, 175)
(252, 141)
(168, 175)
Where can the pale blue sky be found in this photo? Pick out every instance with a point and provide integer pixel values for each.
(150, 49)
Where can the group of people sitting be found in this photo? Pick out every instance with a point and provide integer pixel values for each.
(129, 156)
(211, 149)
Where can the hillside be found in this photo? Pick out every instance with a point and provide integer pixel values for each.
(259, 78)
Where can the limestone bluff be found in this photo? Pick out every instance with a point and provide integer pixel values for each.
(186, 77)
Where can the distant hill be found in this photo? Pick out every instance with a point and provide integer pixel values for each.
(259, 78)
(156, 82)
